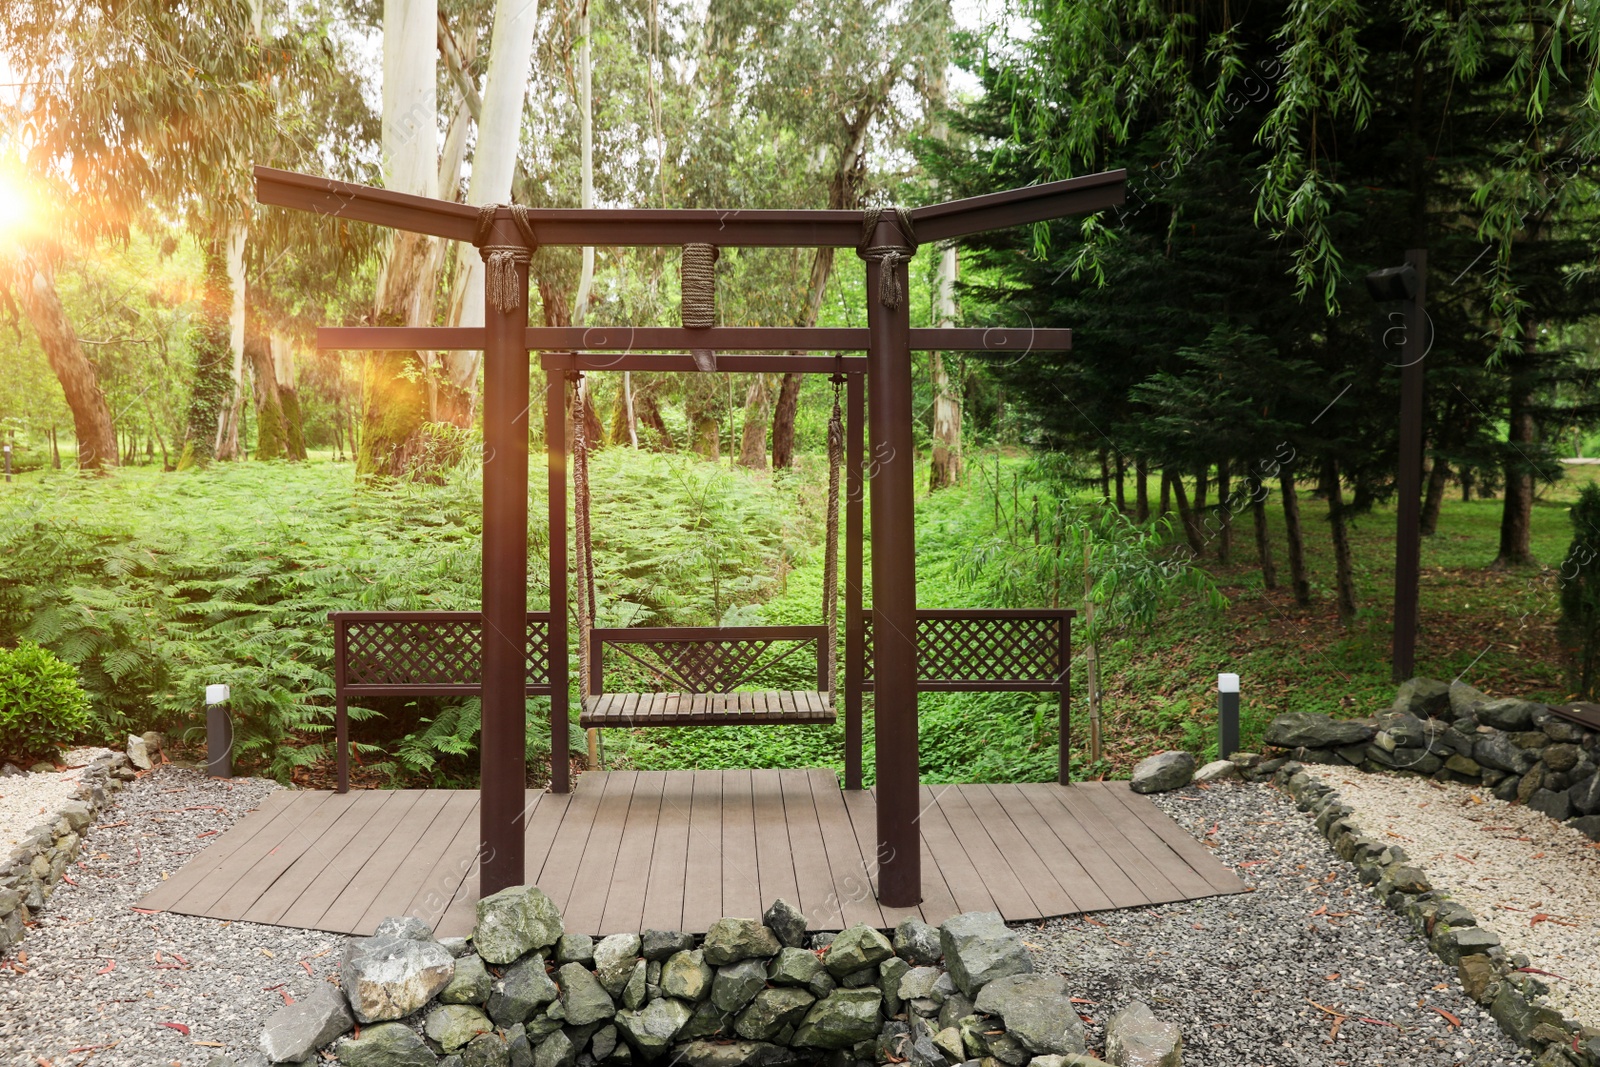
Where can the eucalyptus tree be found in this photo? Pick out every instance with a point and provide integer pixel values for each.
(127, 106)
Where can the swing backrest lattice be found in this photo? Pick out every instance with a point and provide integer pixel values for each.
(983, 649)
(701, 659)
(422, 652)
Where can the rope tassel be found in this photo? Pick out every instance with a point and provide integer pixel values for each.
(889, 257)
(501, 282)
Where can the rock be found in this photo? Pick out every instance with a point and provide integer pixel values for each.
(470, 984)
(1464, 700)
(1476, 972)
(555, 1051)
(659, 944)
(385, 1045)
(451, 1026)
(794, 967)
(1161, 772)
(1217, 771)
(1037, 1010)
(1426, 698)
(650, 1030)
(11, 770)
(736, 984)
(295, 1032)
(918, 983)
(522, 992)
(406, 927)
(456, 946)
(1404, 729)
(1455, 943)
(1506, 788)
(1065, 1061)
(787, 921)
(687, 976)
(575, 948)
(1007, 1049)
(978, 948)
(706, 1021)
(1507, 713)
(732, 940)
(485, 1050)
(857, 948)
(614, 957)
(916, 942)
(1556, 757)
(1304, 729)
(1464, 765)
(771, 1010)
(519, 1049)
(1497, 751)
(138, 753)
(78, 814)
(583, 999)
(948, 1041)
(391, 977)
(604, 1041)
(1136, 1038)
(840, 1019)
(1585, 795)
(1556, 805)
(516, 920)
(1588, 825)
(633, 991)
(890, 971)
(702, 1053)
(1406, 879)
(956, 1006)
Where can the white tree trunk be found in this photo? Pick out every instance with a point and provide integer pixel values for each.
(494, 162)
(580, 302)
(410, 150)
(946, 466)
(227, 443)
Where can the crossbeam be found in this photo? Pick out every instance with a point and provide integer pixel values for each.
(682, 361)
(658, 227)
(674, 338)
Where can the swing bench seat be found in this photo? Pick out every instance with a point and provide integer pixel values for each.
(704, 670)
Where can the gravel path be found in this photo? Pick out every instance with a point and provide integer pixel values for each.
(1240, 973)
(95, 982)
(1505, 862)
(27, 799)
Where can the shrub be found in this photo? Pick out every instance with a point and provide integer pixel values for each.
(42, 706)
(1579, 628)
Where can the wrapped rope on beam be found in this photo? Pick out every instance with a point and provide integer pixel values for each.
(698, 304)
(888, 256)
(501, 283)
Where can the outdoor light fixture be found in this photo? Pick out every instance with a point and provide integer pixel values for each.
(219, 732)
(1227, 715)
(1407, 283)
(1393, 283)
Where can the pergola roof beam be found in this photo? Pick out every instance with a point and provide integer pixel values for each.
(676, 339)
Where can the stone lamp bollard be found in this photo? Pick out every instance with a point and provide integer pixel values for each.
(1227, 715)
(219, 732)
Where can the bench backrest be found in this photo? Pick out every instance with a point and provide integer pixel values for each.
(422, 653)
(704, 659)
(987, 650)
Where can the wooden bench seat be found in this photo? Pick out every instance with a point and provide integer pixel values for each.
(705, 709)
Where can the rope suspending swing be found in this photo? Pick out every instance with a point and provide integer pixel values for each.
(887, 256)
(697, 308)
(500, 262)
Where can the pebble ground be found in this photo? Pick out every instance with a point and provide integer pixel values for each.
(1307, 970)
(96, 982)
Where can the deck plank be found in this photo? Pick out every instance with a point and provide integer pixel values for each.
(968, 887)
(625, 903)
(346, 870)
(266, 854)
(702, 890)
(741, 881)
(420, 851)
(1152, 882)
(1066, 868)
(664, 893)
(354, 811)
(178, 883)
(586, 905)
(853, 897)
(1192, 853)
(560, 868)
(813, 880)
(1101, 865)
(1050, 897)
(350, 910)
(774, 851)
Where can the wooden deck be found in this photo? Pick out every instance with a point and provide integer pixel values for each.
(631, 850)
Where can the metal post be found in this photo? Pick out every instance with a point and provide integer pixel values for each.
(502, 746)
(894, 579)
(555, 448)
(1227, 715)
(219, 731)
(1064, 705)
(854, 535)
(1408, 521)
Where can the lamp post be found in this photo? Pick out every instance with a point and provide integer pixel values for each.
(219, 733)
(1227, 715)
(1407, 284)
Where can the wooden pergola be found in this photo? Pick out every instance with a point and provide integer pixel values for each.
(506, 340)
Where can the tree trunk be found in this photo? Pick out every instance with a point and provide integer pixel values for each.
(1467, 479)
(1344, 571)
(649, 413)
(1516, 515)
(1105, 476)
(1141, 490)
(757, 413)
(1269, 570)
(1297, 545)
(1187, 515)
(1202, 487)
(227, 443)
(271, 434)
(783, 414)
(283, 371)
(1226, 506)
(1122, 472)
(1433, 499)
(1166, 491)
(210, 389)
(80, 382)
(945, 469)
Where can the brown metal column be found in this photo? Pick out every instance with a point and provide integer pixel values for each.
(1408, 483)
(894, 577)
(555, 450)
(854, 539)
(502, 745)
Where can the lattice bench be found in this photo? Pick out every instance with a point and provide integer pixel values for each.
(704, 665)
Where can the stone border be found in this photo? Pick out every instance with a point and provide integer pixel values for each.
(1487, 974)
(34, 868)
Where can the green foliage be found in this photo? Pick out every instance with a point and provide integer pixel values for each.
(210, 340)
(1579, 628)
(42, 706)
